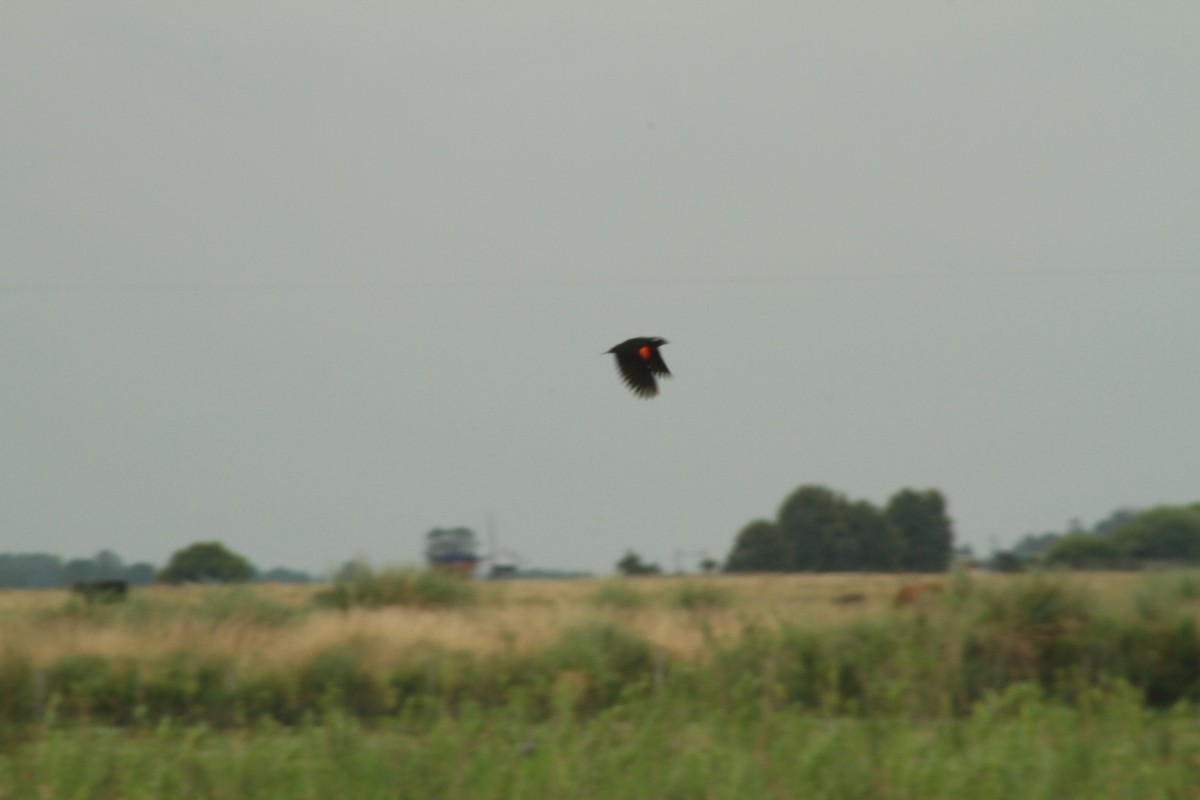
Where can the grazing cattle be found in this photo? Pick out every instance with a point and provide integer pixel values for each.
(101, 591)
(849, 599)
(910, 593)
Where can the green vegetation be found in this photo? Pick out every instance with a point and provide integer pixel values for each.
(45, 571)
(1161, 535)
(360, 585)
(1081, 550)
(42, 570)
(819, 530)
(937, 661)
(1041, 686)
(925, 529)
(631, 564)
(1126, 539)
(1014, 744)
(206, 562)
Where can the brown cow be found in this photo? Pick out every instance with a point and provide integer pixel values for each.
(910, 593)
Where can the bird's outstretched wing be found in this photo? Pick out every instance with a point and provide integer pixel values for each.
(654, 361)
(637, 373)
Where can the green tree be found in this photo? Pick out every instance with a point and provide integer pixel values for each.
(814, 525)
(1085, 551)
(283, 575)
(1165, 533)
(825, 532)
(206, 562)
(1114, 521)
(108, 566)
(926, 533)
(140, 574)
(759, 547)
(21, 570)
(631, 564)
(880, 545)
(79, 570)
(819, 530)
(104, 566)
(1007, 561)
(1032, 546)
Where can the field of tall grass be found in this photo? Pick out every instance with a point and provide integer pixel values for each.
(399, 684)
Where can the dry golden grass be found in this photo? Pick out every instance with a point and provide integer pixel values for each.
(518, 616)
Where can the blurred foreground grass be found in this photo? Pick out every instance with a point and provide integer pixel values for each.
(731, 686)
(1013, 744)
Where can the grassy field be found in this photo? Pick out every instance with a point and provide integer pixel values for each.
(731, 686)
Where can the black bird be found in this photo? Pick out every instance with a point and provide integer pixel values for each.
(639, 362)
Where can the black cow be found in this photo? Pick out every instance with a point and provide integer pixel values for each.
(101, 591)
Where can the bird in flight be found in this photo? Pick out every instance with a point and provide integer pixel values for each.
(639, 361)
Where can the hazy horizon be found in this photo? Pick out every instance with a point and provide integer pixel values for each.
(312, 280)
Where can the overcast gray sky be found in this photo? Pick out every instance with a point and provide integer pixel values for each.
(314, 278)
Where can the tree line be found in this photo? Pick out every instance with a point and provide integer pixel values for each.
(819, 530)
(814, 530)
(1166, 535)
(199, 562)
(45, 571)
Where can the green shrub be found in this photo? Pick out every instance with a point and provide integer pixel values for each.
(1037, 630)
(1042, 632)
(609, 659)
(18, 688)
(780, 668)
(1161, 658)
(1037, 606)
(336, 678)
(397, 586)
(191, 686)
(272, 694)
(88, 685)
